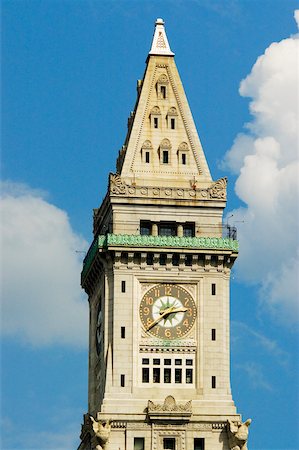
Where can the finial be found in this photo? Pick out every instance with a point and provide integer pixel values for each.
(160, 45)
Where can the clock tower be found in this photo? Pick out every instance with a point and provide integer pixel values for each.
(157, 276)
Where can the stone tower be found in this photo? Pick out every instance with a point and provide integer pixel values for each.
(157, 275)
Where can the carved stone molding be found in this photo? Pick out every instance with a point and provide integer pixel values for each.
(169, 410)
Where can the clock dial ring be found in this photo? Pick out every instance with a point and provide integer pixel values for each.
(167, 311)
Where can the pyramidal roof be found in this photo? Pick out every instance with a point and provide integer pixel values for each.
(162, 146)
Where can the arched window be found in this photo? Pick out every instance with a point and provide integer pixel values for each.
(146, 152)
(165, 152)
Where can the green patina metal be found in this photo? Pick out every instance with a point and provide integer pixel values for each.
(127, 240)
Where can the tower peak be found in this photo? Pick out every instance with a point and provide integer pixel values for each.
(160, 45)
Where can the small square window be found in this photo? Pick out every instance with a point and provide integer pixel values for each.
(199, 444)
(169, 444)
(145, 228)
(189, 362)
(178, 362)
(156, 362)
(167, 362)
(165, 157)
(156, 375)
(138, 443)
(145, 360)
(145, 375)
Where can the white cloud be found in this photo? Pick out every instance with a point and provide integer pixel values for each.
(42, 300)
(265, 157)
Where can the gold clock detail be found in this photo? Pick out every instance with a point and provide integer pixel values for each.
(167, 311)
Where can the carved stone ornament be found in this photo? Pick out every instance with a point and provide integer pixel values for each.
(170, 409)
(117, 186)
(147, 144)
(155, 111)
(183, 147)
(165, 143)
(172, 111)
(101, 432)
(218, 189)
(238, 434)
(163, 79)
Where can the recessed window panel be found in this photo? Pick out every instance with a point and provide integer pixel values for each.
(147, 157)
(145, 375)
(167, 375)
(156, 375)
(189, 376)
(165, 157)
(156, 361)
(138, 443)
(199, 444)
(178, 375)
(169, 444)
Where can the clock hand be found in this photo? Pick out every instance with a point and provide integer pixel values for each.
(164, 313)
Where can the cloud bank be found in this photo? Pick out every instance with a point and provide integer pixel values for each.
(265, 157)
(42, 300)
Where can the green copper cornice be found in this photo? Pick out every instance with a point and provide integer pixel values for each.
(103, 242)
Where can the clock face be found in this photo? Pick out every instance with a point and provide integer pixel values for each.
(167, 311)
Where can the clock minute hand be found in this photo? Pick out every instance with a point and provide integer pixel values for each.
(164, 313)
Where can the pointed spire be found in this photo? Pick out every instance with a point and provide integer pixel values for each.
(160, 45)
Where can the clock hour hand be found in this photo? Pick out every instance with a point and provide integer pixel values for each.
(163, 314)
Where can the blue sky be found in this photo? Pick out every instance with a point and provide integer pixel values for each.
(69, 83)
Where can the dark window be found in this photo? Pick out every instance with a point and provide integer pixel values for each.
(167, 362)
(145, 228)
(189, 376)
(123, 286)
(147, 157)
(163, 91)
(124, 258)
(149, 259)
(165, 157)
(175, 259)
(167, 375)
(155, 122)
(122, 380)
(213, 382)
(167, 229)
(156, 375)
(145, 361)
(213, 289)
(199, 444)
(172, 124)
(123, 332)
(169, 443)
(178, 375)
(189, 362)
(188, 260)
(213, 334)
(138, 443)
(163, 259)
(145, 375)
(178, 362)
(184, 159)
(189, 229)
(156, 362)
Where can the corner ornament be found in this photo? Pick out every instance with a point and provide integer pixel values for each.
(238, 435)
(218, 189)
(101, 431)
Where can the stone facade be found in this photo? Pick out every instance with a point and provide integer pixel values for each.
(157, 276)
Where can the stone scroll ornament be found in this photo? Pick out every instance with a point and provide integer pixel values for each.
(238, 435)
(101, 431)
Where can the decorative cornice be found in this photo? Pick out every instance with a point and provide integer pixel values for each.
(216, 191)
(127, 240)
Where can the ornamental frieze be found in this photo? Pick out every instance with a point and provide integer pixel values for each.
(217, 190)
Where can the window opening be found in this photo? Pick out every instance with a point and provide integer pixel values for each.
(167, 229)
(199, 444)
(169, 443)
(145, 375)
(163, 259)
(156, 375)
(213, 334)
(213, 382)
(189, 362)
(189, 229)
(178, 375)
(122, 380)
(189, 376)
(123, 286)
(184, 159)
(167, 362)
(178, 362)
(172, 123)
(145, 228)
(163, 91)
(213, 289)
(138, 443)
(167, 375)
(123, 332)
(156, 362)
(149, 259)
(165, 157)
(147, 157)
(156, 122)
(145, 360)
